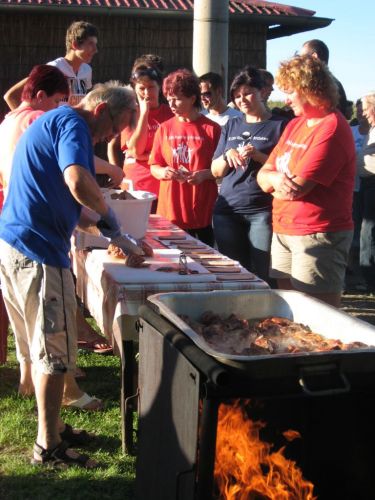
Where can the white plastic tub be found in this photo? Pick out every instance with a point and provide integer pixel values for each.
(132, 214)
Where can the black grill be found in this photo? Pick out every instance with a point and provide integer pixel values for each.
(181, 388)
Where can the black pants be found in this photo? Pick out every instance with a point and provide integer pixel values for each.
(205, 234)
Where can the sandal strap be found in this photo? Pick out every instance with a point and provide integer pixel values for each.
(59, 455)
(41, 452)
(45, 454)
(75, 436)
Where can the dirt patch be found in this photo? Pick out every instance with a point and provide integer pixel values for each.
(355, 300)
(359, 305)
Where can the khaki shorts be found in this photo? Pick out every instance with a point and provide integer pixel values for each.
(315, 263)
(41, 306)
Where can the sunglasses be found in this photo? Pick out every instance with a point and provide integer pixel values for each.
(150, 72)
(206, 94)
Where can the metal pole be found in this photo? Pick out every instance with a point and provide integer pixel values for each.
(210, 37)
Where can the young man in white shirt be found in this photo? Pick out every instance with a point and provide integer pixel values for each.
(81, 46)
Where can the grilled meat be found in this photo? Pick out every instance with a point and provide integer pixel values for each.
(274, 335)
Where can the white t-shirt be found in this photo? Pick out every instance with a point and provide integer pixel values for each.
(80, 83)
(223, 117)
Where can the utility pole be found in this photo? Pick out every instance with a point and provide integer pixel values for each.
(210, 37)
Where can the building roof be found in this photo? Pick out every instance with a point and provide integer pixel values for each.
(282, 20)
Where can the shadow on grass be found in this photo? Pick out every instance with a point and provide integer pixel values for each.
(104, 380)
(46, 486)
(8, 380)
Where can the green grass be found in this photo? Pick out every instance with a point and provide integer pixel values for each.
(20, 480)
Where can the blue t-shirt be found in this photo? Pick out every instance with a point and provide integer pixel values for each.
(40, 213)
(240, 192)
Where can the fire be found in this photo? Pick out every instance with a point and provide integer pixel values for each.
(245, 467)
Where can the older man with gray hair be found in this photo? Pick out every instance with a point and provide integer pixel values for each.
(53, 176)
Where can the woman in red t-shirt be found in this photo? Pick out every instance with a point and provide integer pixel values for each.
(181, 158)
(310, 174)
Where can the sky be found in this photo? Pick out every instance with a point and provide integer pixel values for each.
(350, 39)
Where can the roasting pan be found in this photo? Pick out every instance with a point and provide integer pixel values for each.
(256, 304)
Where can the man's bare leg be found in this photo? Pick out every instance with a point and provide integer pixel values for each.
(48, 392)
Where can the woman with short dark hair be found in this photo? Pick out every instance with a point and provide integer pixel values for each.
(181, 158)
(242, 213)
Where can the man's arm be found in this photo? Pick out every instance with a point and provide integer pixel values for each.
(87, 222)
(85, 189)
(13, 96)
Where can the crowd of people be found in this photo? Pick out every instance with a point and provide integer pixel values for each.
(271, 188)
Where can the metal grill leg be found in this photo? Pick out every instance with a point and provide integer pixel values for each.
(207, 449)
(127, 391)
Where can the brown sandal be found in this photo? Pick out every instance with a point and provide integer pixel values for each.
(76, 437)
(59, 458)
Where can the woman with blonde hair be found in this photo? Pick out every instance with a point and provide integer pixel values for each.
(310, 175)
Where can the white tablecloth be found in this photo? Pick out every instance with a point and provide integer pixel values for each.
(113, 297)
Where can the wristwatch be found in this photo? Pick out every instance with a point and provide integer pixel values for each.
(225, 157)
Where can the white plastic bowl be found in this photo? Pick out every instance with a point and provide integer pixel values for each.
(132, 214)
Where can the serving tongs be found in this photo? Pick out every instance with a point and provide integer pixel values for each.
(183, 267)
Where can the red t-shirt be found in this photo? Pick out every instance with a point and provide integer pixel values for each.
(325, 154)
(14, 125)
(139, 171)
(191, 144)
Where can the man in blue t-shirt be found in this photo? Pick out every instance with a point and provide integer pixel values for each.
(52, 177)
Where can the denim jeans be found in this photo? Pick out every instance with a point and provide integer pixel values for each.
(204, 234)
(367, 239)
(246, 238)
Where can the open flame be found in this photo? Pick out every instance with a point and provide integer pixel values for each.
(245, 467)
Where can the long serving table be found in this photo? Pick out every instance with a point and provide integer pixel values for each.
(112, 293)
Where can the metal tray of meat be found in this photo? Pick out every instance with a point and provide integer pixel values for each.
(325, 320)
